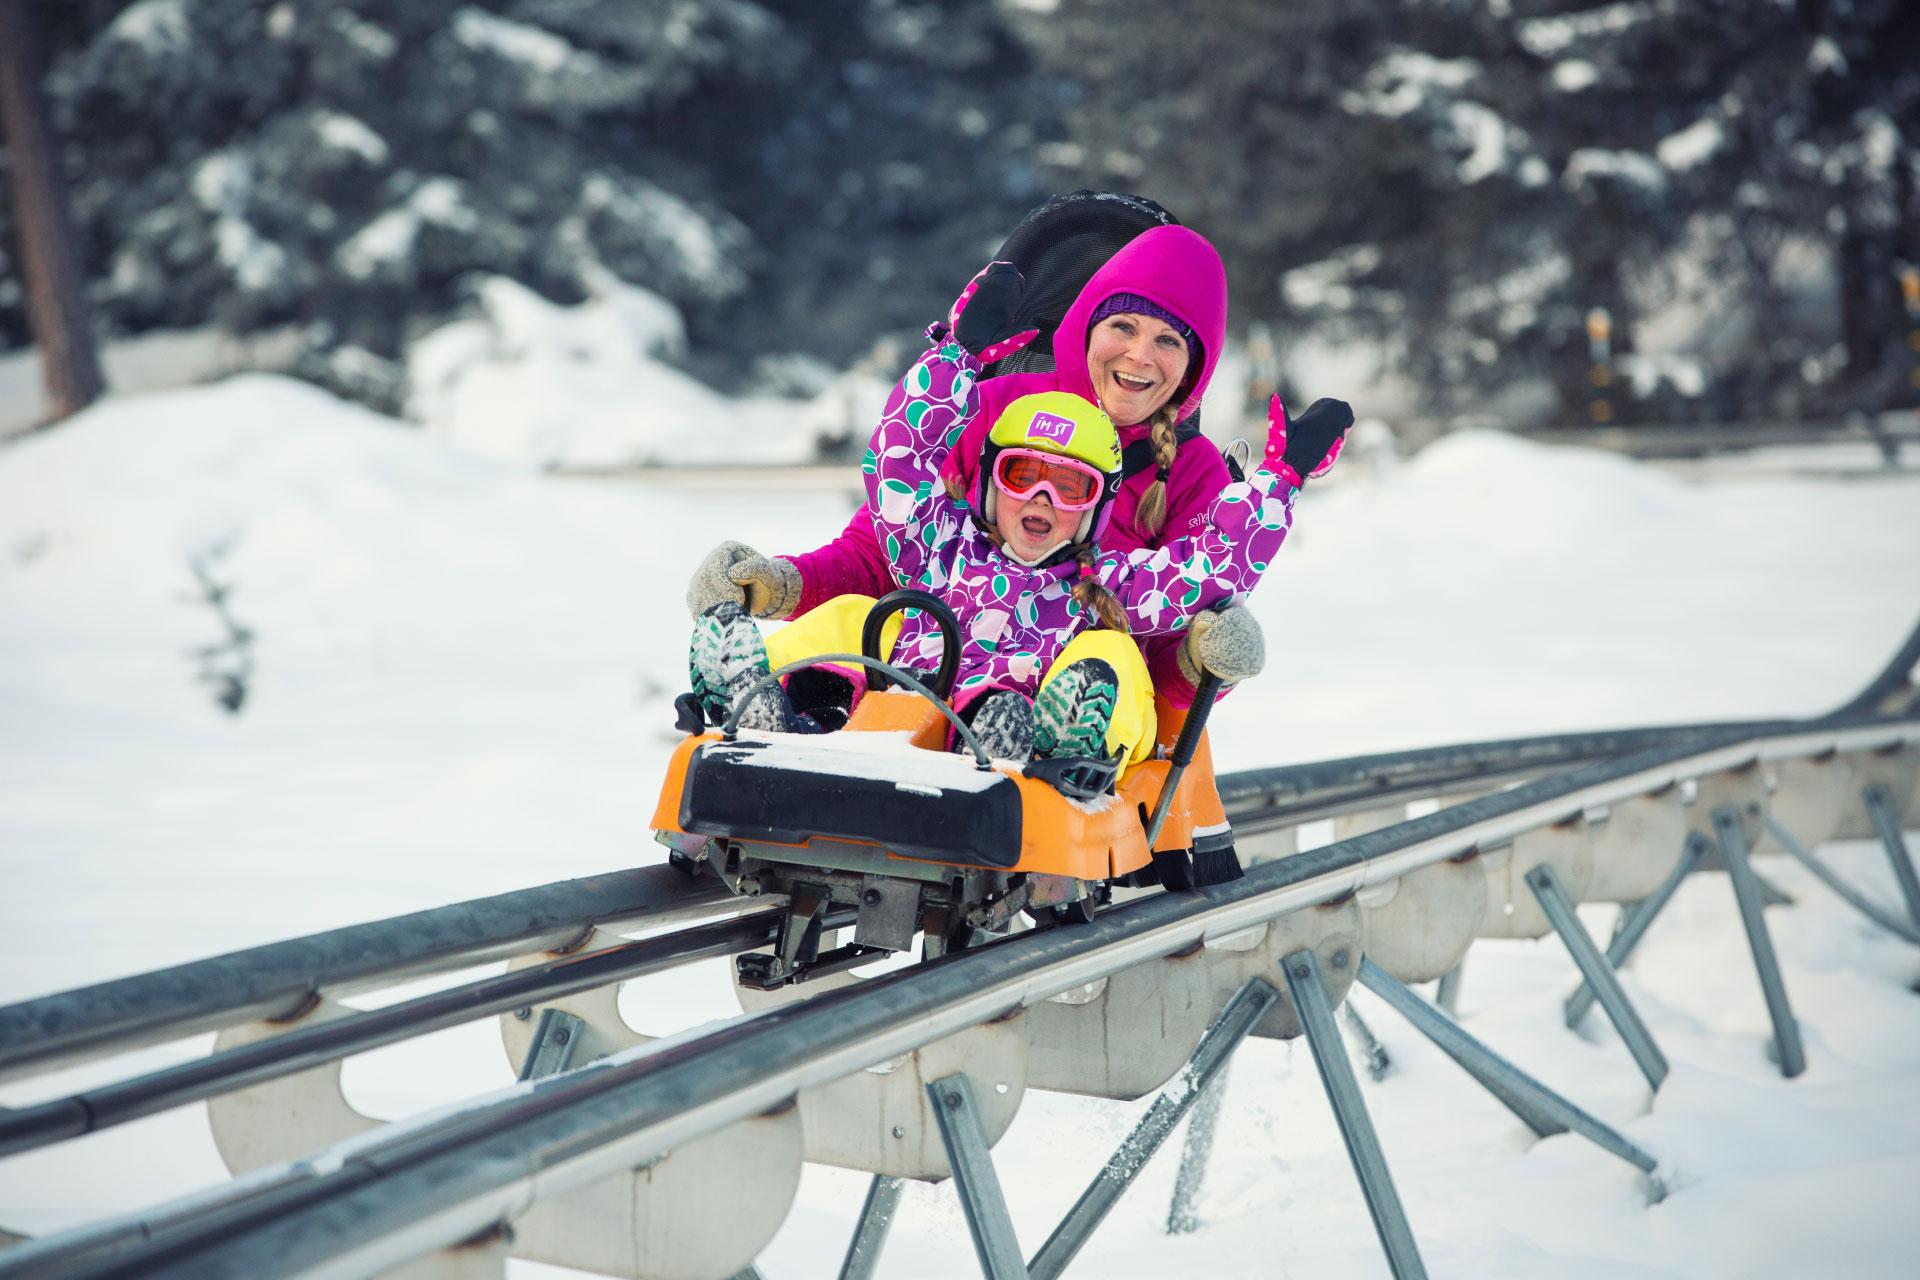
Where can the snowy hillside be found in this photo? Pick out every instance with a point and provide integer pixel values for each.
(453, 678)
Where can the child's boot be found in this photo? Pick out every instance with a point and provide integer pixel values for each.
(1073, 710)
(1003, 722)
(726, 659)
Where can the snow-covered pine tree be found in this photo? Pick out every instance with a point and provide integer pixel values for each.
(340, 165)
(1462, 182)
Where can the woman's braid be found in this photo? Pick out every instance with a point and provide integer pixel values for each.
(1151, 513)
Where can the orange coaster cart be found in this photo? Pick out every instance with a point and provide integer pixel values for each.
(880, 827)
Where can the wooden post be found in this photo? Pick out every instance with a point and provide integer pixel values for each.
(56, 301)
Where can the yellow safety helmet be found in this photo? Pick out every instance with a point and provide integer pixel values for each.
(1056, 422)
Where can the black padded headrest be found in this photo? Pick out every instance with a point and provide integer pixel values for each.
(1058, 247)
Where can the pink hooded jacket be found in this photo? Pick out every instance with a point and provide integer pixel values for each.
(1173, 267)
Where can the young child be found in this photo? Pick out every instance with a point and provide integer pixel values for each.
(1016, 559)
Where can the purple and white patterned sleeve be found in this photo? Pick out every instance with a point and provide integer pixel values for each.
(923, 418)
(1162, 588)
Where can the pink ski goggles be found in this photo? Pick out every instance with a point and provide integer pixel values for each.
(1022, 473)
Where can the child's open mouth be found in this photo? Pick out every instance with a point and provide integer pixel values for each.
(1036, 528)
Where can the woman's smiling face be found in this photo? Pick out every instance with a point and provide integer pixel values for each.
(1135, 363)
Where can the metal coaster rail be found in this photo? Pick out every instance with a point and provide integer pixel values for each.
(278, 979)
(26, 1128)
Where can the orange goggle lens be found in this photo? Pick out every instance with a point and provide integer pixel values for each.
(1021, 473)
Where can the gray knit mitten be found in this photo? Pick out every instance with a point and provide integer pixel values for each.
(769, 588)
(1228, 644)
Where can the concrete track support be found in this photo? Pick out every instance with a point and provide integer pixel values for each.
(1514, 909)
(1810, 798)
(1420, 925)
(878, 1120)
(1417, 926)
(1636, 845)
(1741, 791)
(607, 1227)
(1332, 933)
(1126, 1038)
(648, 1223)
(1910, 815)
(1897, 772)
(282, 1119)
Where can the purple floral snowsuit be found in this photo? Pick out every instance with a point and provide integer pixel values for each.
(1015, 620)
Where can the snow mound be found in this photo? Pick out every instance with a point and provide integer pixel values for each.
(591, 386)
(175, 472)
(1525, 485)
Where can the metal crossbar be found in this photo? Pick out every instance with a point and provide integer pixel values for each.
(1195, 1152)
(1746, 891)
(965, 1136)
(1302, 972)
(1886, 824)
(1829, 877)
(1537, 1106)
(1248, 1005)
(870, 1231)
(1600, 976)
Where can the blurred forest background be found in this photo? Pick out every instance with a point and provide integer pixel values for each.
(1427, 197)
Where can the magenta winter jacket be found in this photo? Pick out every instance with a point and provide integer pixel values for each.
(1015, 620)
(1172, 266)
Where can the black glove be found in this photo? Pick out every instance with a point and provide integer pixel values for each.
(983, 317)
(1315, 437)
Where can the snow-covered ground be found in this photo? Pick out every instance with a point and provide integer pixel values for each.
(457, 682)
